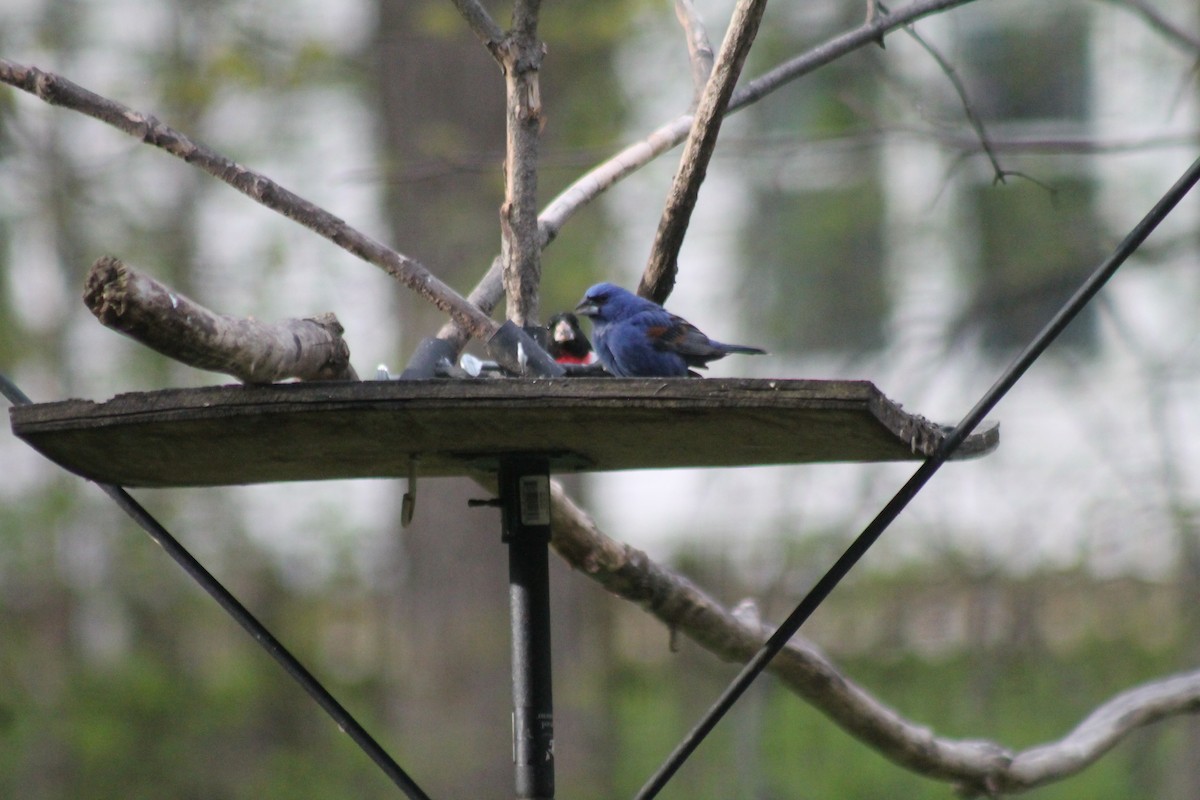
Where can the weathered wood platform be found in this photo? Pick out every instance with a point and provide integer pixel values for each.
(311, 431)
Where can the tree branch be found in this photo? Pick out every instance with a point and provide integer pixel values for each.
(520, 56)
(481, 23)
(59, 91)
(700, 52)
(835, 48)
(253, 352)
(985, 142)
(1159, 22)
(485, 296)
(976, 766)
(600, 178)
(1102, 730)
(659, 277)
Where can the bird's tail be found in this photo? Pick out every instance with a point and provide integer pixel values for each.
(741, 348)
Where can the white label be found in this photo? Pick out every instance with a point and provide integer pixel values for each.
(535, 500)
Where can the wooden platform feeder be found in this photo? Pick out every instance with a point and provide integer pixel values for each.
(312, 431)
(519, 430)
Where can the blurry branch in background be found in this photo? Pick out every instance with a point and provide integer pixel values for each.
(658, 279)
(59, 91)
(985, 143)
(253, 352)
(1157, 21)
(637, 155)
(700, 52)
(976, 767)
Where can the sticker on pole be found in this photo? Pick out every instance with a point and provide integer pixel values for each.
(535, 499)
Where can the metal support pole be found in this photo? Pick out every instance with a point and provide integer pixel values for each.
(525, 505)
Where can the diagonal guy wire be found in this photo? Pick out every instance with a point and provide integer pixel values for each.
(249, 622)
(909, 490)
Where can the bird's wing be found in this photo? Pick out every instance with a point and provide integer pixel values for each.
(634, 346)
(682, 337)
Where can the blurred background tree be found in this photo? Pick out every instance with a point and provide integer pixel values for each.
(852, 222)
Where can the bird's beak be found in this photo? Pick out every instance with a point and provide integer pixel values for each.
(587, 308)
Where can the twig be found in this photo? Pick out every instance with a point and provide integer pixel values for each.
(976, 766)
(658, 279)
(835, 48)
(700, 52)
(998, 172)
(481, 23)
(1159, 22)
(57, 90)
(253, 352)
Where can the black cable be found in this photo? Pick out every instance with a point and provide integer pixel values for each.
(909, 490)
(341, 717)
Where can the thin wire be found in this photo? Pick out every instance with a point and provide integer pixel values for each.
(909, 490)
(341, 717)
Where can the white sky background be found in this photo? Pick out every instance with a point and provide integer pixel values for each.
(1077, 476)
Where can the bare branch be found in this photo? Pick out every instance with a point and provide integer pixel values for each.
(253, 352)
(481, 23)
(874, 12)
(1159, 22)
(520, 56)
(658, 279)
(985, 143)
(1102, 730)
(835, 48)
(485, 296)
(599, 179)
(57, 90)
(976, 766)
(700, 52)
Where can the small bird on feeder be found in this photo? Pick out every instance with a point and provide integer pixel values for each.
(568, 344)
(638, 338)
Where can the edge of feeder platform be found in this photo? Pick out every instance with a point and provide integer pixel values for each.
(237, 434)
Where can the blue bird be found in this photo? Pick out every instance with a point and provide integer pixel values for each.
(637, 338)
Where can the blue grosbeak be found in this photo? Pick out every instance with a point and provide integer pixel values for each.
(636, 337)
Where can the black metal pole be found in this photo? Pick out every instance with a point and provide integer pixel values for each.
(525, 506)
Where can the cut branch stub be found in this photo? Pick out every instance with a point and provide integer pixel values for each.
(253, 352)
